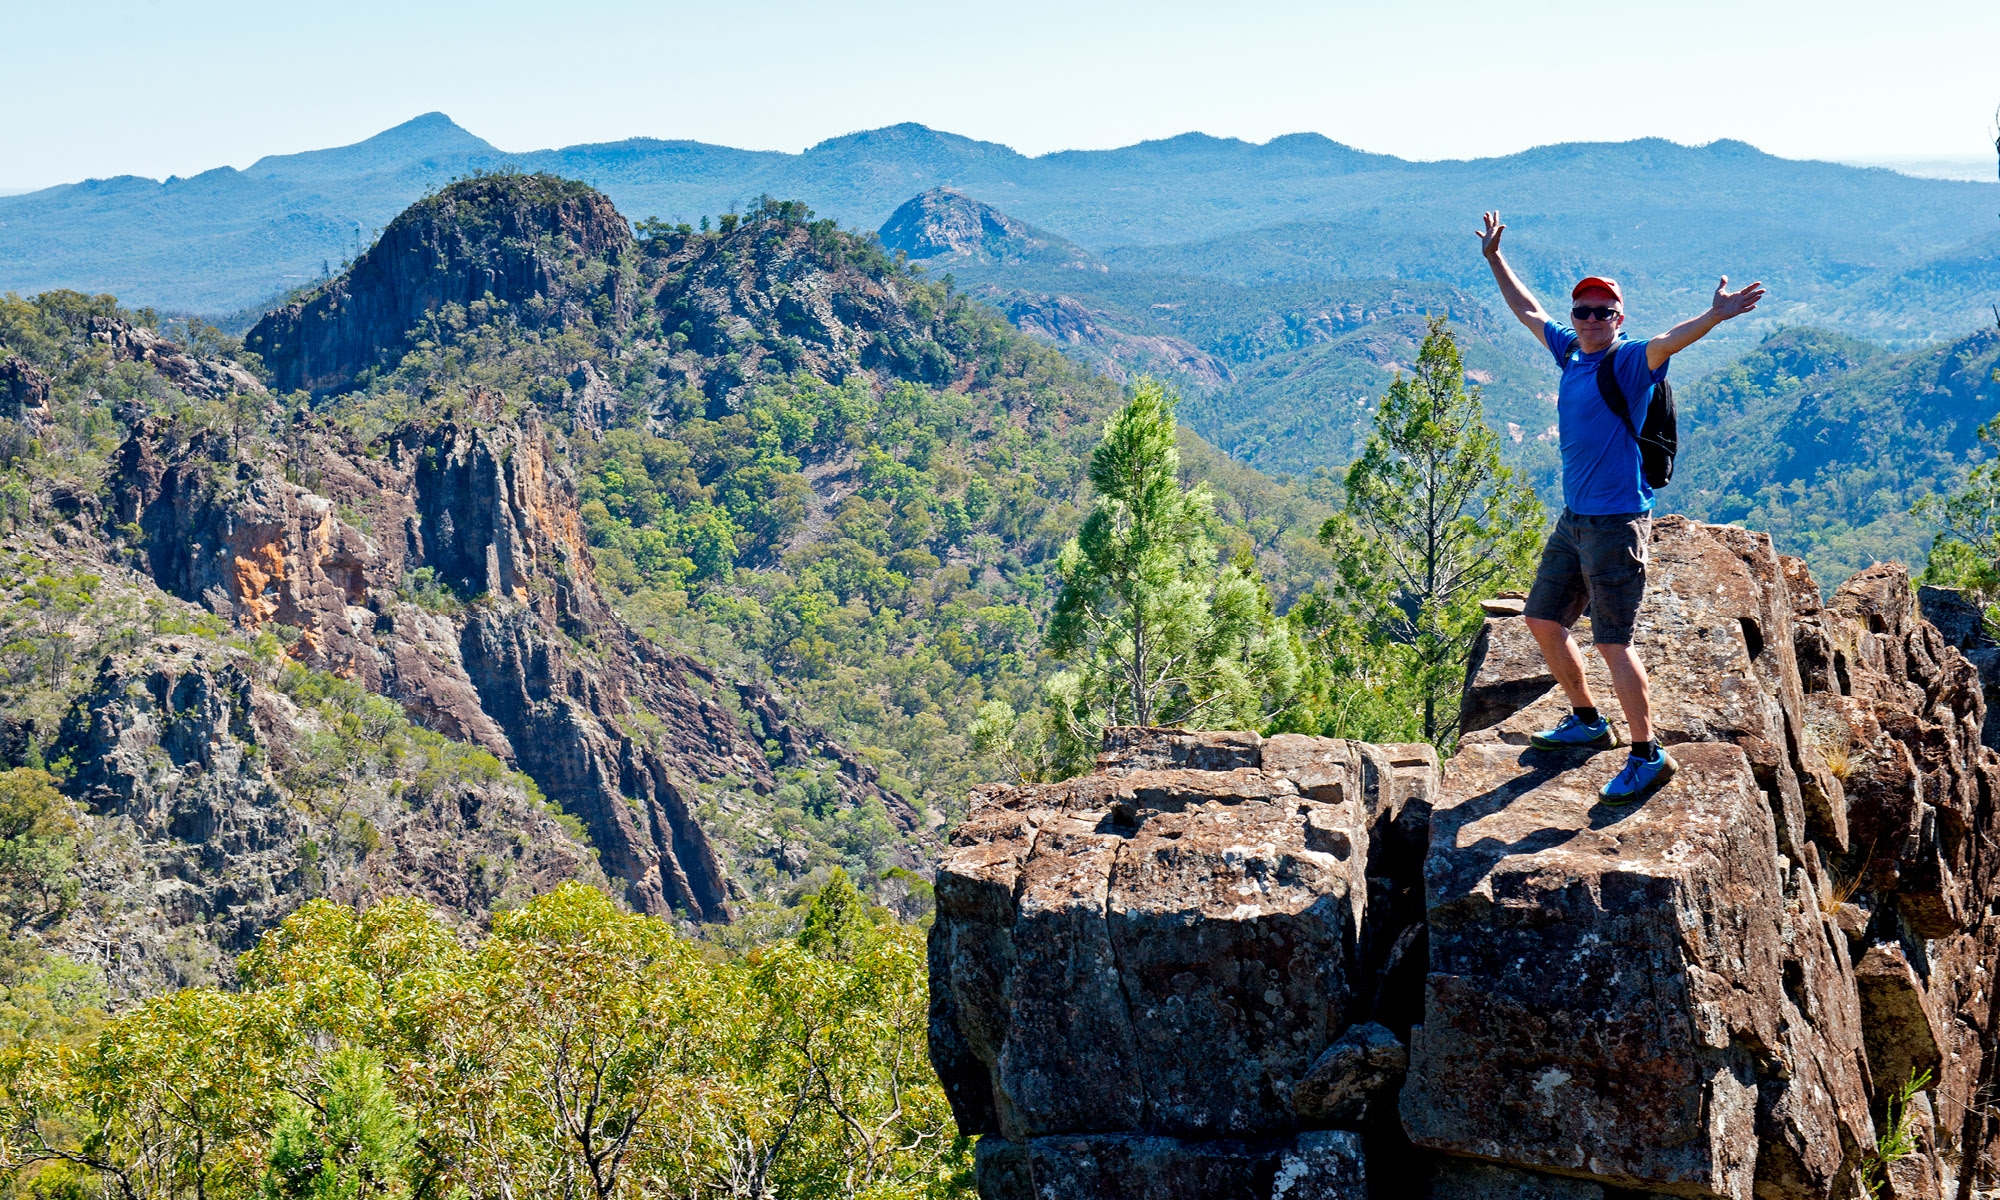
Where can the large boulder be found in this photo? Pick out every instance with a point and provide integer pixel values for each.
(1165, 947)
(1772, 979)
(1608, 986)
(1713, 592)
(1861, 726)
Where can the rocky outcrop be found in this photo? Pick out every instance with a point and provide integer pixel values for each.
(533, 250)
(1961, 622)
(444, 567)
(1065, 321)
(1610, 997)
(774, 295)
(1856, 729)
(1715, 993)
(204, 377)
(1137, 963)
(944, 227)
(24, 391)
(197, 780)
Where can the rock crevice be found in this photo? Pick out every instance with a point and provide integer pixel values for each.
(1493, 983)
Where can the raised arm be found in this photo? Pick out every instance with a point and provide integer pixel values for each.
(1526, 308)
(1726, 304)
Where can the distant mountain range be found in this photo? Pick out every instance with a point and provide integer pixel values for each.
(1868, 250)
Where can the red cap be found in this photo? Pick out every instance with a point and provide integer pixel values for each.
(1598, 281)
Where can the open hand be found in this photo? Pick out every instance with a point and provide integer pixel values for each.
(1489, 237)
(1729, 304)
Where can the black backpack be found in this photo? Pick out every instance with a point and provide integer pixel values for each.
(1660, 440)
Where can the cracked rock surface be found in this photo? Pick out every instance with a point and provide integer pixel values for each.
(1217, 950)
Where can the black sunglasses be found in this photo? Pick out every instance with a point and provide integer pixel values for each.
(1594, 310)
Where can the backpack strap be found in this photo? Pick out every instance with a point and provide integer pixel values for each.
(1614, 396)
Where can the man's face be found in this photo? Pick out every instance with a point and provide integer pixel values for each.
(1597, 298)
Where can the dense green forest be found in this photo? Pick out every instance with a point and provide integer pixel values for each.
(1827, 442)
(808, 463)
(575, 1050)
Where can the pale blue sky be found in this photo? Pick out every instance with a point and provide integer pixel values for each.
(156, 88)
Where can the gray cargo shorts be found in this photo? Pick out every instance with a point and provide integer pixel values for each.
(1594, 561)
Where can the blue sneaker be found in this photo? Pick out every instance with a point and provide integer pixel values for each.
(1640, 778)
(1573, 732)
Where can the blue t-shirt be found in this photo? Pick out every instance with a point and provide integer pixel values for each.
(1601, 469)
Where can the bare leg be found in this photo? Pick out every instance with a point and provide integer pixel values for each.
(1564, 659)
(1628, 680)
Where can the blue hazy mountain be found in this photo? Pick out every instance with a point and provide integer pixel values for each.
(1298, 208)
(432, 138)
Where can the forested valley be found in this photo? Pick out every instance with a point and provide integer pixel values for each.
(485, 731)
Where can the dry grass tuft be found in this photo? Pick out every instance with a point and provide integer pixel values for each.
(1834, 748)
(1840, 890)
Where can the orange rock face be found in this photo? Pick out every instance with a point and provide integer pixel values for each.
(488, 509)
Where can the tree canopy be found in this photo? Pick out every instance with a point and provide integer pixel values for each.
(1153, 632)
(576, 1051)
(1434, 523)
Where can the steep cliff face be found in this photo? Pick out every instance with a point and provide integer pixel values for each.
(24, 391)
(219, 787)
(1714, 993)
(534, 250)
(184, 755)
(443, 566)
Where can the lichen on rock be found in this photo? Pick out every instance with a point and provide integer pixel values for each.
(1712, 993)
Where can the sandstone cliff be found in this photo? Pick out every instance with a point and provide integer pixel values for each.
(443, 566)
(218, 786)
(1300, 967)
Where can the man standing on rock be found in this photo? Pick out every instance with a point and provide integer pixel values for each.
(1596, 555)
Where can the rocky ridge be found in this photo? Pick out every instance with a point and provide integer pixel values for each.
(1068, 323)
(1190, 970)
(513, 647)
(218, 788)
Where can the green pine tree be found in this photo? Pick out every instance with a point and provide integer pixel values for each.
(354, 1144)
(1153, 629)
(838, 925)
(1434, 523)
